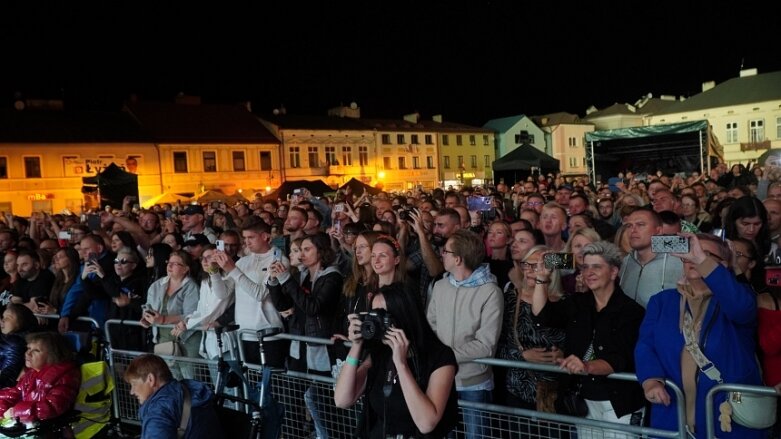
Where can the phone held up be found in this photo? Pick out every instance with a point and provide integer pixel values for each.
(561, 261)
(220, 245)
(669, 244)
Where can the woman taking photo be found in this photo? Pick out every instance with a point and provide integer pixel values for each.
(715, 311)
(17, 321)
(601, 332)
(573, 282)
(523, 340)
(405, 361)
(170, 298)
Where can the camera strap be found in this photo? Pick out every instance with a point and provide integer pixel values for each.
(390, 377)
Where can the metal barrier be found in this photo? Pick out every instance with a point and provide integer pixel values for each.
(299, 391)
(744, 388)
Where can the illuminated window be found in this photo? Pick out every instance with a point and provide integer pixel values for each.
(313, 159)
(295, 157)
(732, 132)
(363, 155)
(330, 155)
(757, 130)
(209, 161)
(238, 161)
(180, 162)
(347, 156)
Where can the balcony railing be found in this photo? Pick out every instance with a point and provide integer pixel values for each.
(754, 146)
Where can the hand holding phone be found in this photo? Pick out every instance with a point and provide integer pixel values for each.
(220, 245)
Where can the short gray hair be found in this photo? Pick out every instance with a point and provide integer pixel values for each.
(609, 252)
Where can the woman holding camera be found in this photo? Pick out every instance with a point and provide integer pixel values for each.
(601, 332)
(718, 314)
(406, 373)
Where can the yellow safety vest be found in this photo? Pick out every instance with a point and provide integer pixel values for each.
(93, 400)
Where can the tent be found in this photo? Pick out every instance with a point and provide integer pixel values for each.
(518, 164)
(166, 197)
(358, 187)
(113, 184)
(671, 148)
(315, 187)
(209, 196)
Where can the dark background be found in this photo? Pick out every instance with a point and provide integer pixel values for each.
(469, 61)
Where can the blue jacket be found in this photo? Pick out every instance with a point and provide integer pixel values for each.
(728, 342)
(12, 348)
(162, 413)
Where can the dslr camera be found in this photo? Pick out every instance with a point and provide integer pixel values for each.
(375, 323)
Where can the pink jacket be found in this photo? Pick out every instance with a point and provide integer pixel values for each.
(45, 394)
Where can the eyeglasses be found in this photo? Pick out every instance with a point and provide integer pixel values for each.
(444, 250)
(530, 265)
(123, 262)
(534, 203)
(179, 264)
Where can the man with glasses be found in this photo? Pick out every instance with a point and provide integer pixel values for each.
(664, 200)
(232, 242)
(465, 311)
(535, 202)
(645, 273)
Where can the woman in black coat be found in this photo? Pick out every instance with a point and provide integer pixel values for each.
(17, 321)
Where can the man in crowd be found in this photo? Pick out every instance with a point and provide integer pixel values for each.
(194, 222)
(34, 282)
(162, 400)
(553, 222)
(645, 273)
(465, 311)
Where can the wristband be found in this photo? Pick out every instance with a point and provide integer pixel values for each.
(352, 361)
(541, 282)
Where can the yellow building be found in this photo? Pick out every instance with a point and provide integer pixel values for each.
(44, 155)
(466, 153)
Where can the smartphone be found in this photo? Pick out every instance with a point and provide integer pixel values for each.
(339, 208)
(41, 301)
(92, 258)
(220, 245)
(298, 191)
(561, 261)
(64, 235)
(277, 254)
(479, 204)
(669, 244)
(93, 222)
(147, 308)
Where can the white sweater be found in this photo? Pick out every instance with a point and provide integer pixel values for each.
(254, 309)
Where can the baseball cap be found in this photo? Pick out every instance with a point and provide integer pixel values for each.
(566, 187)
(197, 239)
(192, 209)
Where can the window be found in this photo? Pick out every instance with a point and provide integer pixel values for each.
(399, 139)
(386, 162)
(265, 160)
(573, 142)
(446, 163)
(3, 167)
(573, 162)
(732, 132)
(485, 140)
(414, 139)
(429, 139)
(209, 161)
(402, 163)
(430, 162)
(32, 167)
(330, 156)
(238, 161)
(295, 157)
(313, 159)
(459, 139)
(446, 139)
(416, 162)
(756, 131)
(487, 161)
(524, 137)
(472, 140)
(460, 162)
(363, 155)
(778, 128)
(347, 155)
(386, 139)
(474, 161)
(180, 162)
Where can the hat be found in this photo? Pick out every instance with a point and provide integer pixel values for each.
(197, 239)
(567, 187)
(192, 209)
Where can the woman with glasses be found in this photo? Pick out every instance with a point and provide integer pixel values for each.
(717, 315)
(691, 212)
(573, 282)
(601, 332)
(523, 340)
(66, 290)
(169, 299)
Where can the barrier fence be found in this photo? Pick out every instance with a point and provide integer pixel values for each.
(300, 392)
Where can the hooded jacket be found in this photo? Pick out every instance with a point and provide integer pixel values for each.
(43, 394)
(12, 348)
(467, 317)
(162, 412)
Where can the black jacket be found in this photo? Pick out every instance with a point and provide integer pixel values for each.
(614, 332)
(12, 348)
(315, 310)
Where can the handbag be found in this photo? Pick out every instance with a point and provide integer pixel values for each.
(571, 403)
(171, 348)
(748, 410)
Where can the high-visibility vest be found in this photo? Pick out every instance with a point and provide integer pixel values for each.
(93, 400)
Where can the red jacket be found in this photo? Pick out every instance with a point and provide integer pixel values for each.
(45, 394)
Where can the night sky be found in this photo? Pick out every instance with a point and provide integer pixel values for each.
(470, 61)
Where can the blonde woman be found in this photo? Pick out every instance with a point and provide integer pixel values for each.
(573, 282)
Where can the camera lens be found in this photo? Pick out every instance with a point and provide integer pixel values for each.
(368, 330)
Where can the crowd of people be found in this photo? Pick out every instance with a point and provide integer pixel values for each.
(424, 283)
